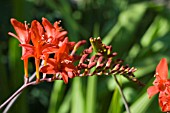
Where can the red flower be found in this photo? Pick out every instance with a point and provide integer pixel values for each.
(22, 30)
(61, 64)
(161, 85)
(40, 48)
(46, 39)
(54, 33)
(164, 100)
(23, 35)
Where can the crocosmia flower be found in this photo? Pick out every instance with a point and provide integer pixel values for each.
(161, 85)
(164, 100)
(55, 33)
(23, 36)
(22, 30)
(62, 64)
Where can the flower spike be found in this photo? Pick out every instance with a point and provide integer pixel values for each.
(47, 38)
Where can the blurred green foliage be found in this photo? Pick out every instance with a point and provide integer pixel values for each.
(138, 30)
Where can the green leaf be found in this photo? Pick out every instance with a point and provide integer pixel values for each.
(115, 104)
(64, 107)
(91, 94)
(56, 95)
(127, 21)
(77, 102)
(158, 28)
(142, 102)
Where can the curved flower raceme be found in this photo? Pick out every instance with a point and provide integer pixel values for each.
(161, 85)
(48, 43)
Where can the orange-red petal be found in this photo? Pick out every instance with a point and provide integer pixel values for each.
(21, 30)
(65, 77)
(36, 33)
(48, 69)
(48, 27)
(162, 69)
(28, 51)
(152, 90)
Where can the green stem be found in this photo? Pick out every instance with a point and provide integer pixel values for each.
(122, 94)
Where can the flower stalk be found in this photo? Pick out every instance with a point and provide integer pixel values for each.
(122, 94)
(49, 43)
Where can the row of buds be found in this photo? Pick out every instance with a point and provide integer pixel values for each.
(103, 62)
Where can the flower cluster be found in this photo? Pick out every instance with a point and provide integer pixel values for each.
(161, 85)
(49, 44)
(39, 41)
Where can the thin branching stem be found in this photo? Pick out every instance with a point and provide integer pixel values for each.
(9, 102)
(122, 94)
(15, 98)
(14, 95)
(12, 100)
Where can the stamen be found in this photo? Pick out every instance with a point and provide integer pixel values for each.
(66, 61)
(26, 26)
(42, 37)
(59, 21)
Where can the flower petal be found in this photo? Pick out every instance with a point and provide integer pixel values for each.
(70, 74)
(162, 69)
(21, 30)
(48, 69)
(69, 67)
(48, 27)
(61, 35)
(152, 90)
(49, 50)
(27, 51)
(65, 77)
(36, 32)
(62, 52)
